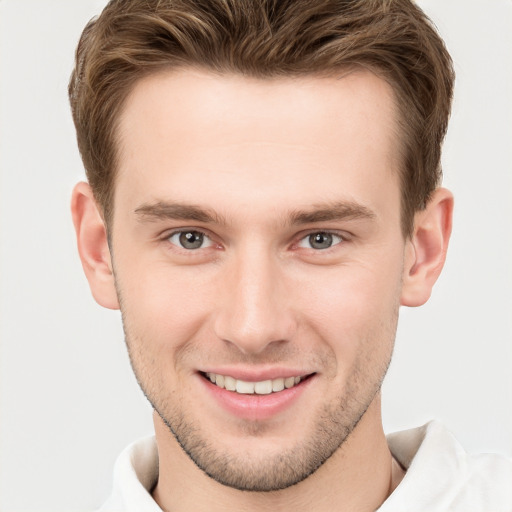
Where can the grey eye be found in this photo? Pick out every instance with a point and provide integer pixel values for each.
(320, 240)
(190, 240)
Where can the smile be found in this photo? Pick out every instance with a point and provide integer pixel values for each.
(264, 387)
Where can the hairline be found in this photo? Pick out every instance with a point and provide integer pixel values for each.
(338, 72)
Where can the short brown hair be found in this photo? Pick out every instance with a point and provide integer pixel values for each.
(265, 38)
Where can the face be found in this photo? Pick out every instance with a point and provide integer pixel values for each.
(256, 243)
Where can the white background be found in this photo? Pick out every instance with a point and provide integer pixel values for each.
(69, 402)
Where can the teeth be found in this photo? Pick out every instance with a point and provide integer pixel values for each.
(246, 388)
(289, 382)
(264, 387)
(229, 383)
(278, 385)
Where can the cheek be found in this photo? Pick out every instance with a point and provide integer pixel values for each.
(166, 306)
(353, 306)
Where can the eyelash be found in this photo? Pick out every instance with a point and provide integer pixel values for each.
(329, 234)
(180, 232)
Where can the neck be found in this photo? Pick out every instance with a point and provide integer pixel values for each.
(360, 475)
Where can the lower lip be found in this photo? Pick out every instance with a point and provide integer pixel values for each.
(256, 407)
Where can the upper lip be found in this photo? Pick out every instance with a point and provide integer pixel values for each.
(257, 374)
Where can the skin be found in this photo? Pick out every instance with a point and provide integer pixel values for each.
(264, 164)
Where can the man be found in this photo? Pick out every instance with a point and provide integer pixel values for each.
(263, 194)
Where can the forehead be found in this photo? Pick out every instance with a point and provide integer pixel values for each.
(232, 140)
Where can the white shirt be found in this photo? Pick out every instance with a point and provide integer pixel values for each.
(441, 476)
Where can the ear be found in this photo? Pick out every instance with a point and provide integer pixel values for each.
(425, 251)
(91, 235)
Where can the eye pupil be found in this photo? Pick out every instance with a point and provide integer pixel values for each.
(320, 240)
(191, 239)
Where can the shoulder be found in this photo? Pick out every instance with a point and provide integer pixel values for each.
(135, 475)
(441, 476)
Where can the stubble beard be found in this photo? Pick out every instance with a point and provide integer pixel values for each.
(246, 472)
(277, 471)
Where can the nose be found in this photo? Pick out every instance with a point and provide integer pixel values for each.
(255, 307)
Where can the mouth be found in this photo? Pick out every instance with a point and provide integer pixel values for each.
(263, 387)
(256, 400)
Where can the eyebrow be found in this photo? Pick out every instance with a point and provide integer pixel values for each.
(325, 212)
(163, 210)
(341, 210)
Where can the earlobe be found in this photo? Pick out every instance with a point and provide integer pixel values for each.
(426, 249)
(93, 246)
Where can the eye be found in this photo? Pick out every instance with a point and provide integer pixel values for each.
(320, 240)
(190, 240)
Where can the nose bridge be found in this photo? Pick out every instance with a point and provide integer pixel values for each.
(254, 311)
